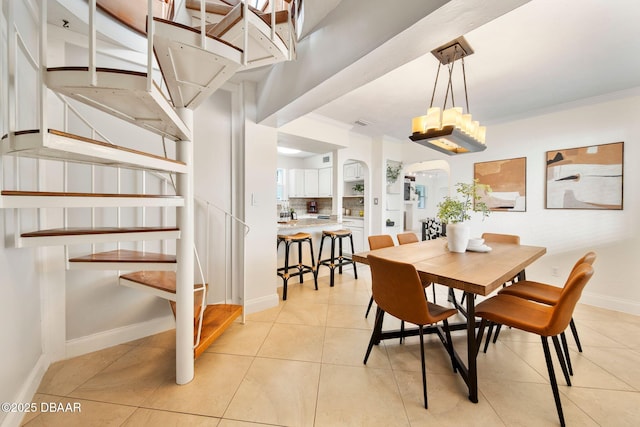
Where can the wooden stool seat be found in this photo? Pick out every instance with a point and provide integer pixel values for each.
(294, 237)
(301, 269)
(340, 259)
(337, 233)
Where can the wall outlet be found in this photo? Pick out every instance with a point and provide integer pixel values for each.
(554, 271)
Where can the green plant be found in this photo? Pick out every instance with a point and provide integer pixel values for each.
(452, 210)
(358, 188)
(393, 172)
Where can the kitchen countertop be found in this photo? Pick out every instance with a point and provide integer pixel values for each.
(307, 223)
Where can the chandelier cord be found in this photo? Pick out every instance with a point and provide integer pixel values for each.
(464, 77)
(449, 87)
(433, 94)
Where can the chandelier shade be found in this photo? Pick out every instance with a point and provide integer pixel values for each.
(449, 131)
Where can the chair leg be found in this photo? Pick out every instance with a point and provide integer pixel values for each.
(369, 307)
(486, 341)
(552, 379)
(377, 327)
(574, 331)
(424, 369)
(401, 331)
(433, 289)
(563, 364)
(567, 356)
(483, 324)
(495, 337)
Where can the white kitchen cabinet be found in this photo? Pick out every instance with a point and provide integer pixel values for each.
(296, 183)
(353, 172)
(325, 181)
(356, 225)
(311, 182)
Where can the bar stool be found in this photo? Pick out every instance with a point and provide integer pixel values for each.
(301, 268)
(341, 260)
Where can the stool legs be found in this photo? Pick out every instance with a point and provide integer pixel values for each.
(302, 269)
(336, 260)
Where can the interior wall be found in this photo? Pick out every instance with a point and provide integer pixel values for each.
(212, 183)
(20, 293)
(568, 234)
(260, 208)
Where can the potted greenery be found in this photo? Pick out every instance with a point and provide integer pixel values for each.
(358, 188)
(454, 212)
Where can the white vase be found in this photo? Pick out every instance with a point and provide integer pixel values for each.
(458, 236)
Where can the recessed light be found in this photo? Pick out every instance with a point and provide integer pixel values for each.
(287, 150)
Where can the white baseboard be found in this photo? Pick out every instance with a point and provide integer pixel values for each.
(101, 340)
(611, 303)
(262, 303)
(27, 391)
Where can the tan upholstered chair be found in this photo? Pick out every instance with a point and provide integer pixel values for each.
(406, 238)
(543, 320)
(378, 241)
(548, 294)
(398, 291)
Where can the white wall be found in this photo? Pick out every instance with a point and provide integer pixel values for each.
(260, 207)
(568, 234)
(21, 356)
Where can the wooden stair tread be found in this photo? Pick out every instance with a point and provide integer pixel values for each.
(162, 280)
(217, 318)
(75, 231)
(165, 281)
(126, 256)
(63, 194)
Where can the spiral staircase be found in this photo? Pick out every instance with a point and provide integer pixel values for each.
(195, 59)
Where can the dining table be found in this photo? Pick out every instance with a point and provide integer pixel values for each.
(474, 273)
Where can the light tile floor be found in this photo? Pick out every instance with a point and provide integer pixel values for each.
(300, 364)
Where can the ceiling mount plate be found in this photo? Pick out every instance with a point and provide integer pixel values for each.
(452, 51)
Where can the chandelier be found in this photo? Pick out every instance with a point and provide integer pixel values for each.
(449, 130)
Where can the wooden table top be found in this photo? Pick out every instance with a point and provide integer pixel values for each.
(477, 272)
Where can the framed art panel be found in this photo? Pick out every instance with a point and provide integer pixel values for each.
(585, 177)
(508, 182)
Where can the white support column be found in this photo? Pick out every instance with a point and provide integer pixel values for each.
(184, 252)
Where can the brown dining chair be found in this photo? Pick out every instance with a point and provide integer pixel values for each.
(407, 238)
(500, 238)
(397, 290)
(549, 295)
(378, 241)
(543, 320)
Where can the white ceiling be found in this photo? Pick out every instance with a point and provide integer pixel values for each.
(545, 53)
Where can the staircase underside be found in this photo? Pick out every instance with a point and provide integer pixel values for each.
(123, 259)
(79, 235)
(50, 199)
(122, 94)
(262, 48)
(192, 73)
(58, 145)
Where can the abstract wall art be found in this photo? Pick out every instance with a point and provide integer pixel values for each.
(508, 182)
(585, 177)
